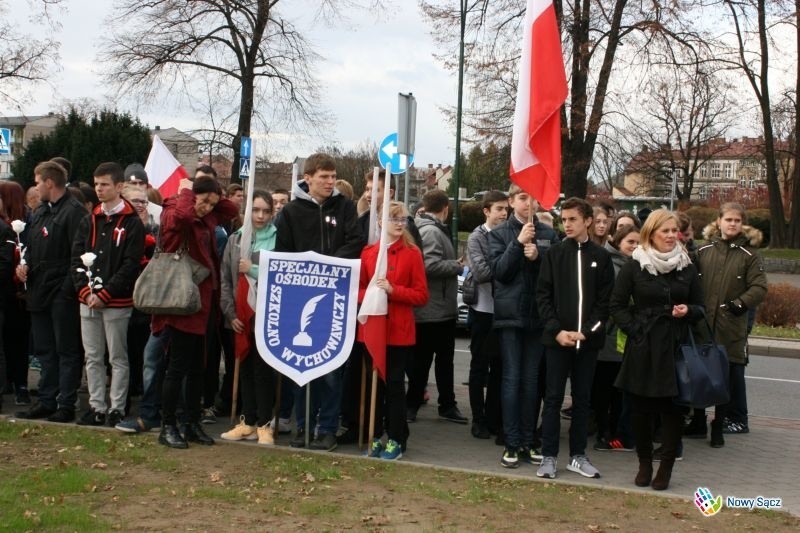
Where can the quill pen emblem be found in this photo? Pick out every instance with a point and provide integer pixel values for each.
(303, 338)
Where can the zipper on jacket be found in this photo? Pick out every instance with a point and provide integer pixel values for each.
(580, 295)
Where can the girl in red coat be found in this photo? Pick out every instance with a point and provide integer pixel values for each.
(406, 288)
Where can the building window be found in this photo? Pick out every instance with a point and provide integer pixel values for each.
(742, 182)
(703, 193)
(727, 169)
(703, 171)
(753, 183)
(715, 171)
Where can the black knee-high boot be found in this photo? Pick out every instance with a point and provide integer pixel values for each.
(671, 431)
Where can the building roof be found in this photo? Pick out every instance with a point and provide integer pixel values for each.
(173, 135)
(20, 120)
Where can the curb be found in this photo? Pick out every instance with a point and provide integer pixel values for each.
(774, 347)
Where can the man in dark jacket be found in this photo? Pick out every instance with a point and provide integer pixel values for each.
(319, 219)
(573, 291)
(114, 234)
(516, 249)
(436, 321)
(51, 295)
(484, 366)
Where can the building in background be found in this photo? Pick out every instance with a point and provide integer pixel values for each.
(23, 129)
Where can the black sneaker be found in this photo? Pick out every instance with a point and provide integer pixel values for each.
(299, 440)
(734, 428)
(326, 442)
(63, 415)
(22, 397)
(114, 417)
(38, 411)
(531, 455)
(453, 415)
(510, 459)
(602, 445)
(92, 418)
(480, 431)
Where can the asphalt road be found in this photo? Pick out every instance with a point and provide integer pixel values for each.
(773, 383)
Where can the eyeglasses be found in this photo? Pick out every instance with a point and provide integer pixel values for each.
(139, 202)
(399, 221)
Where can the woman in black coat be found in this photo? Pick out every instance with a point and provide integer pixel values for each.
(656, 298)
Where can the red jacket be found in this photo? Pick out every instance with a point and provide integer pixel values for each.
(179, 222)
(406, 272)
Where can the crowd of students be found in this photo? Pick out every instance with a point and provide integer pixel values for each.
(601, 301)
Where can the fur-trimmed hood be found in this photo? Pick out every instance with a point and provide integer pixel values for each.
(753, 236)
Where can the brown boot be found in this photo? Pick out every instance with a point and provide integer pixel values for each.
(661, 481)
(645, 473)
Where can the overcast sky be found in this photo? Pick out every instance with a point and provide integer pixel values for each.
(368, 59)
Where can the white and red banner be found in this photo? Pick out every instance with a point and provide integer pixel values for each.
(375, 306)
(542, 90)
(164, 171)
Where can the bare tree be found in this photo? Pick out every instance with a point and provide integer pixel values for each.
(686, 116)
(164, 44)
(592, 31)
(752, 20)
(25, 59)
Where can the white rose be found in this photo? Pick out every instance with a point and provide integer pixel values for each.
(18, 226)
(88, 259)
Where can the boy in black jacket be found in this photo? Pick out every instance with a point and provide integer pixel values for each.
(573, 291)
(114, 233)
(319, 219)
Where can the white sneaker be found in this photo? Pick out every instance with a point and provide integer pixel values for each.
(284, 425)
(580, 464)
(548, 468)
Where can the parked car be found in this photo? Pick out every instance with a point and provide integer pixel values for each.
(463, 309)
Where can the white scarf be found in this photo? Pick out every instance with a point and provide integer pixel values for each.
(656, 262)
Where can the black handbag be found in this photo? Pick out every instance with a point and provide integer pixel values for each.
(701, 372)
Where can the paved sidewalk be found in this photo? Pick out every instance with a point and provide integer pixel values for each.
(773, 347)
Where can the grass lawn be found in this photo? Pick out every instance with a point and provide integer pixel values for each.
(66, 478)
(761, 330)
(780, 253)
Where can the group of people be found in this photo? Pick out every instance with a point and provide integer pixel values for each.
(606, 306)
(603, 303)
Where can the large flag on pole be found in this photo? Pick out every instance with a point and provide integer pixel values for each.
(246, 286)
(375, 305)
(373, 208)
(536, 139)
(164, 171)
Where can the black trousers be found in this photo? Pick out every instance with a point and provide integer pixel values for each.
(433, 338)
(257, 382)
(186, 362)
(484, 370)
(213, 357)
(16, 333)
(645, 412)
(390, 402)
(606, 399)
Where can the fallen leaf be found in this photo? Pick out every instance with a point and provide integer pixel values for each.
(99, 466)
(215, 477)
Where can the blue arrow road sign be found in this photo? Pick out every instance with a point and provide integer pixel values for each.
(5, 141)
(246, 145)
(387, 153)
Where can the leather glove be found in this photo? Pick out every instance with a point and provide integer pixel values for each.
(736, 307)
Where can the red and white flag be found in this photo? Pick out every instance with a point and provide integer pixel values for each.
(164, 171)
(375, 306)
(542, 90)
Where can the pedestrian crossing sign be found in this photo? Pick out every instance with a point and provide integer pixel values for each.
(244, 168)
(5, 141)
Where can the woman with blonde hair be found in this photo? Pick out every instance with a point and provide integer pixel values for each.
(406, 287)
(656, 298)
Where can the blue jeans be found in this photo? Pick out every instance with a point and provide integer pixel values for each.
(579, 367)
(326, 401)
(521, 352)
(152, 376)
(57, 344)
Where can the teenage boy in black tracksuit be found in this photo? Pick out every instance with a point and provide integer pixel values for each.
(113, 232)
(319, 219)
(51, 296)
(573, 291)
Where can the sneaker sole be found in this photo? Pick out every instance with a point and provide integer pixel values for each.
(392, 458)
(658, 459)
(579, 471)
(454, 420)
(545, 475)
(509, 465)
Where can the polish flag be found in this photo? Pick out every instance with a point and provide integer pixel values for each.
(163, 170)
(374, 308)
(542, 90)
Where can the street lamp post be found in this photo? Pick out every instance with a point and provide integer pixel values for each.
(457, 166)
